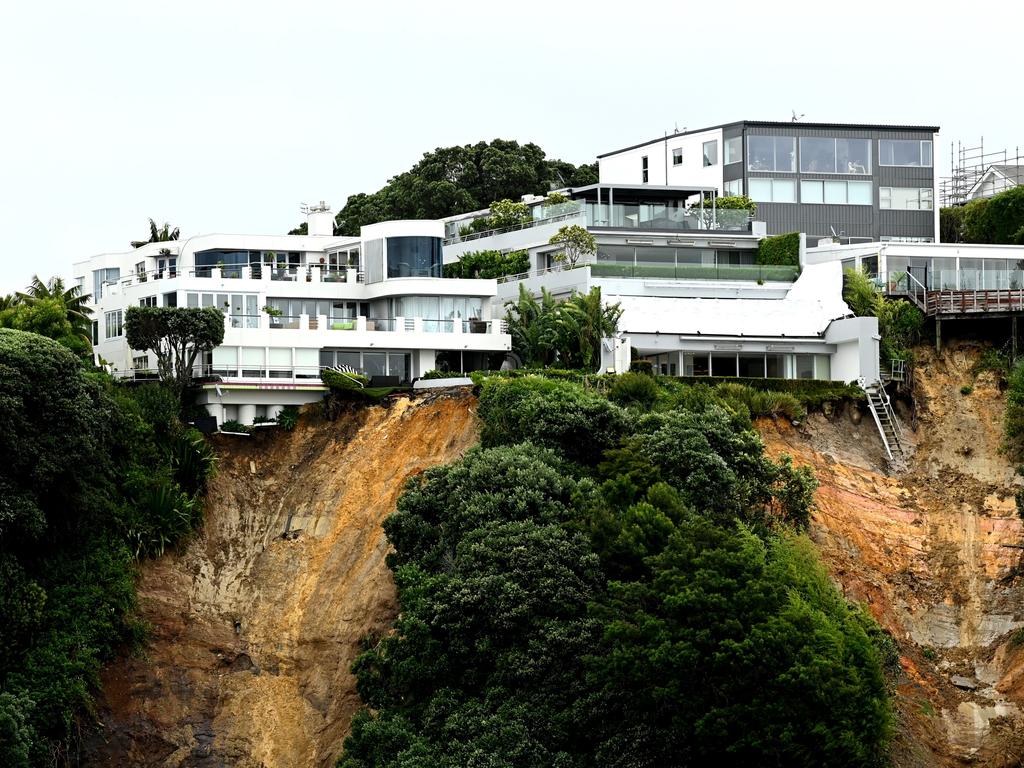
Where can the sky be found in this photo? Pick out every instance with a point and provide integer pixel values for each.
(222, 116)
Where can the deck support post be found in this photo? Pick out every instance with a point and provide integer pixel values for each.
(1013, 337)
(938, 335)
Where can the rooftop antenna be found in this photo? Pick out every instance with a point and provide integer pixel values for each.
(795, 116)
(309, 208)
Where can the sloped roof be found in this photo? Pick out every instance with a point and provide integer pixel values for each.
(814, 301)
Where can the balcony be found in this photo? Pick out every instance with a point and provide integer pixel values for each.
(666, 218)
(761, 273)
(310, 273)
(549, 215)
(368, 324)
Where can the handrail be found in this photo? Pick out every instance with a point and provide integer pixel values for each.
(457, 238)
(538, 272)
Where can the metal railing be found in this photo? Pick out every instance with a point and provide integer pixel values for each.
(763, 273)
(540, 272)
(463, 238)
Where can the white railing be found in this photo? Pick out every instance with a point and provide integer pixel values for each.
(540, 272)
(463, 238)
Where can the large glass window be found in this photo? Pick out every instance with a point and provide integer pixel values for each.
(818, 155)
(414, 256)
(771, 153)
(905, 198)
(114, 323)
(710, 153)
(733, 150)
(907, 153)
(773, 190)
(835, 192)
(733, 188)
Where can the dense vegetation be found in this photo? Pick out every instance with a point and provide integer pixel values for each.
(616, 585)
(460, 179)
(780, 250)
(488, 264)
(53, 310)
(545, 331)
(900, 323)
(997, 220)
(93, 477)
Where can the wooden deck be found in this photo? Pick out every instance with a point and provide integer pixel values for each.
(971, 303)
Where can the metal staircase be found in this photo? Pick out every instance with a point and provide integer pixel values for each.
(888, 425)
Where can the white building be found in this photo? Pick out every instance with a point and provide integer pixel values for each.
(295, 304)
(695, 301)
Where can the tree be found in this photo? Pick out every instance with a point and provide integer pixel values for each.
(157, 234)
(503, 214)
(531, 325)
(488, 264)
(177, 335)
(581, 322)
(576, 243)
(76, 303)
(453, 180)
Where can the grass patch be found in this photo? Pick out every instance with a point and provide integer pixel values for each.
(966, 389)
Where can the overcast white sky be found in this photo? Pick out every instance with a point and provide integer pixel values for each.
(224, 116)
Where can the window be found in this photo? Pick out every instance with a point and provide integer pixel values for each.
(835, 155)
(114, 322)
(835, 192)
(710, 153)
(141, 362)
(733, 150)
(906, 153)
(414, 256)
(677, 156)
(147, 301)
(771, 153)
(733, 188)
(905, 198)
(95, 332)
(773, 190)
(643, 168)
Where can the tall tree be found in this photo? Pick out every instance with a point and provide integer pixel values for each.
(76, 303)
(157, 234)
(177, 336)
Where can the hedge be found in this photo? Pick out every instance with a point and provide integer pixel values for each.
(783, 250)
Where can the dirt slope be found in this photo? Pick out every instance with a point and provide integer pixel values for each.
(253, 633)
(935, 553)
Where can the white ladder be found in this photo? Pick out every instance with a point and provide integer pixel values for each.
(888, 425)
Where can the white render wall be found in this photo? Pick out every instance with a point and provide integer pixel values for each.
(625, 167)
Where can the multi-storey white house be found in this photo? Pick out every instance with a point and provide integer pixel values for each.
(294, 304)
(695, 301)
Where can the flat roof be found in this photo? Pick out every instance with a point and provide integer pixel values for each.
(780, 124)
(652, 190)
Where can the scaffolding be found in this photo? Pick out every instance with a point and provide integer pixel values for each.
(970, 164)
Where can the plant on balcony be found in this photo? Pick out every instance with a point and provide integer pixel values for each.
(488, 264)
(504, 213)
(576, 243)
(273, 311)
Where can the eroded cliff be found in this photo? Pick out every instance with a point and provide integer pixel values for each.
(935, 552)
(255, 624)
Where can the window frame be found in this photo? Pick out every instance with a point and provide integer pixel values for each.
(920, 153)
(775, 138)
(824, 201)
(835, 155)
(920, 198)
(644, 168)
(734, 141)
(796, 193)
(117, 316)
(677, 156)
(704, 153)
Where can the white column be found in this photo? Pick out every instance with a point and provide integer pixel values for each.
(361, 324)
(273, 411)
(246, 413)
(316, 274)
(400, 324)
(322, 322)
(304, 322)
(425, 360)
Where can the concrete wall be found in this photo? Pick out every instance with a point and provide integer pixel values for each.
(626, 167)
(859, 334)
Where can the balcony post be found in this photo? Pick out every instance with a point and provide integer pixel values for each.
(400, 324)
(361, 324)
(417, 325)
(317, 273)
(350, 275)
(215, 273)
(322, 323)
(304, 322)
(456, 325)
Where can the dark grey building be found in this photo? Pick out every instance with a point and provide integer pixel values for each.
(855, 182)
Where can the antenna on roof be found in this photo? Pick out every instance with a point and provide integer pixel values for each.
(795, 116)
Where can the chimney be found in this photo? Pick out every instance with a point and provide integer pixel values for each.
(319, 219)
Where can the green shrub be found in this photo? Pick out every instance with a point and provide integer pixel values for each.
(634, 389)
(288, 418)
(193, 461)
(343, 381)
(233, 425)
(995, 360)
(761, 402)
(781, 250)
(642, 366)
(488, 264)
(966, 389)
(1013, 417)
(560, 415)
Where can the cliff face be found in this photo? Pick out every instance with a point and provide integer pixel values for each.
(256, 622)
(936, 555)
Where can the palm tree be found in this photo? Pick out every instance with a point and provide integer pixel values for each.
(157, 234)
(75, 302)
(8, 301)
